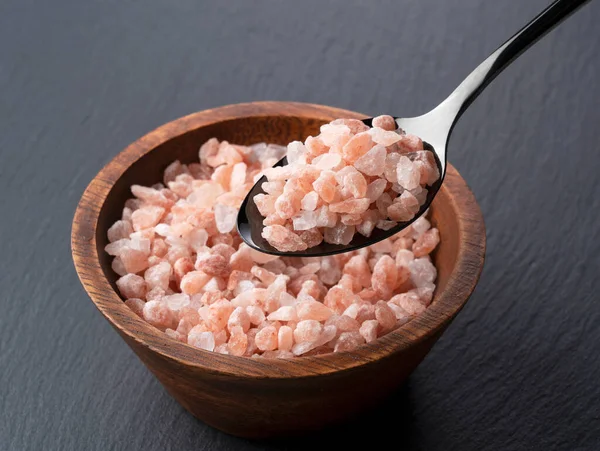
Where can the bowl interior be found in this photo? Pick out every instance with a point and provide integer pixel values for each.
(458, 258)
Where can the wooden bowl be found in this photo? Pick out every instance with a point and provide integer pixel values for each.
(259, 397)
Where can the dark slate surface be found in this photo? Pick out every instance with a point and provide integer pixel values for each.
(79, 80)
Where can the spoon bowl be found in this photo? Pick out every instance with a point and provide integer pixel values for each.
(249, 222)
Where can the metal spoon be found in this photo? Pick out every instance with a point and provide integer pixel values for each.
(434, 128)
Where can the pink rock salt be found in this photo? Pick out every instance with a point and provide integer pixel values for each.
(426, 243)
(285, 338)
(348, 341)
(368, 330)
(283, 239)
(159, 315)
(132, 286)
(307, 330)
(385, 122)
(267, 339)
(201, 339)
(191, 276)
(238, 342)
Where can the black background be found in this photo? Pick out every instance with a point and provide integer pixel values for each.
(79, 80)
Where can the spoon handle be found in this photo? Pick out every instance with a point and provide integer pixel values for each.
(453, 107)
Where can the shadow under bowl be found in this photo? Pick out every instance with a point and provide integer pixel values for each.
(269, 397)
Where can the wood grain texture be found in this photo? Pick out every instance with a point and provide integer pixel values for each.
(516, 370)
(262, 398)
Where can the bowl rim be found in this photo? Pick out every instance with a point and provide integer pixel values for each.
(460, 285)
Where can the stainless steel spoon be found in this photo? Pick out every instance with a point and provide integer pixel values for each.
(434, 128)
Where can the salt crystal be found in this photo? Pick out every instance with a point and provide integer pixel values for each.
(373, 162)
(355, 125)
(275, 188)
(225, 218)
(368, 330)
(286, 299)
(330, 271)
(409, 302)
(420, 194)
(382, 203)
(327, 161)
(343, 323)
(391, 166)
(159, 315)
(218, 314)
(285, 338)
(426, 243)
(353, 206)
(369, 221)
(425, 293)
(310, 268)
(288, 204)
(266, 339)
(331, 133)
(309, 201)
(150, 196)
(283, 239)
(194, 281)
(305, 220)
(385, 225)
(358, 145)
(325, 186)
(399, 312)
(205, 195)
(177, 301)
(351, 311)
(315, 146)
(265, 276)
(307, 330)
(296, 152)
(238, 342)
(422, 271)
(348, 341)
(384, 137)
(213, 265)
(173, 170)
(366, 312)
(358, 267)
(385, 122)
(208, 149)
(132, 286)
(201, 339)
(243, 285)
(419, 227)
(404, 257)
(385, 316)
(255, 314)
(411, 143)
(311, 309)
(119, 230)
(339, 234)
(407, 173)
(285, 313)
(249, 297)
(385, 276)
(158, 275)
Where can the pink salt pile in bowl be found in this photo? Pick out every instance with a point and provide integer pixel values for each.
(267, 397)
